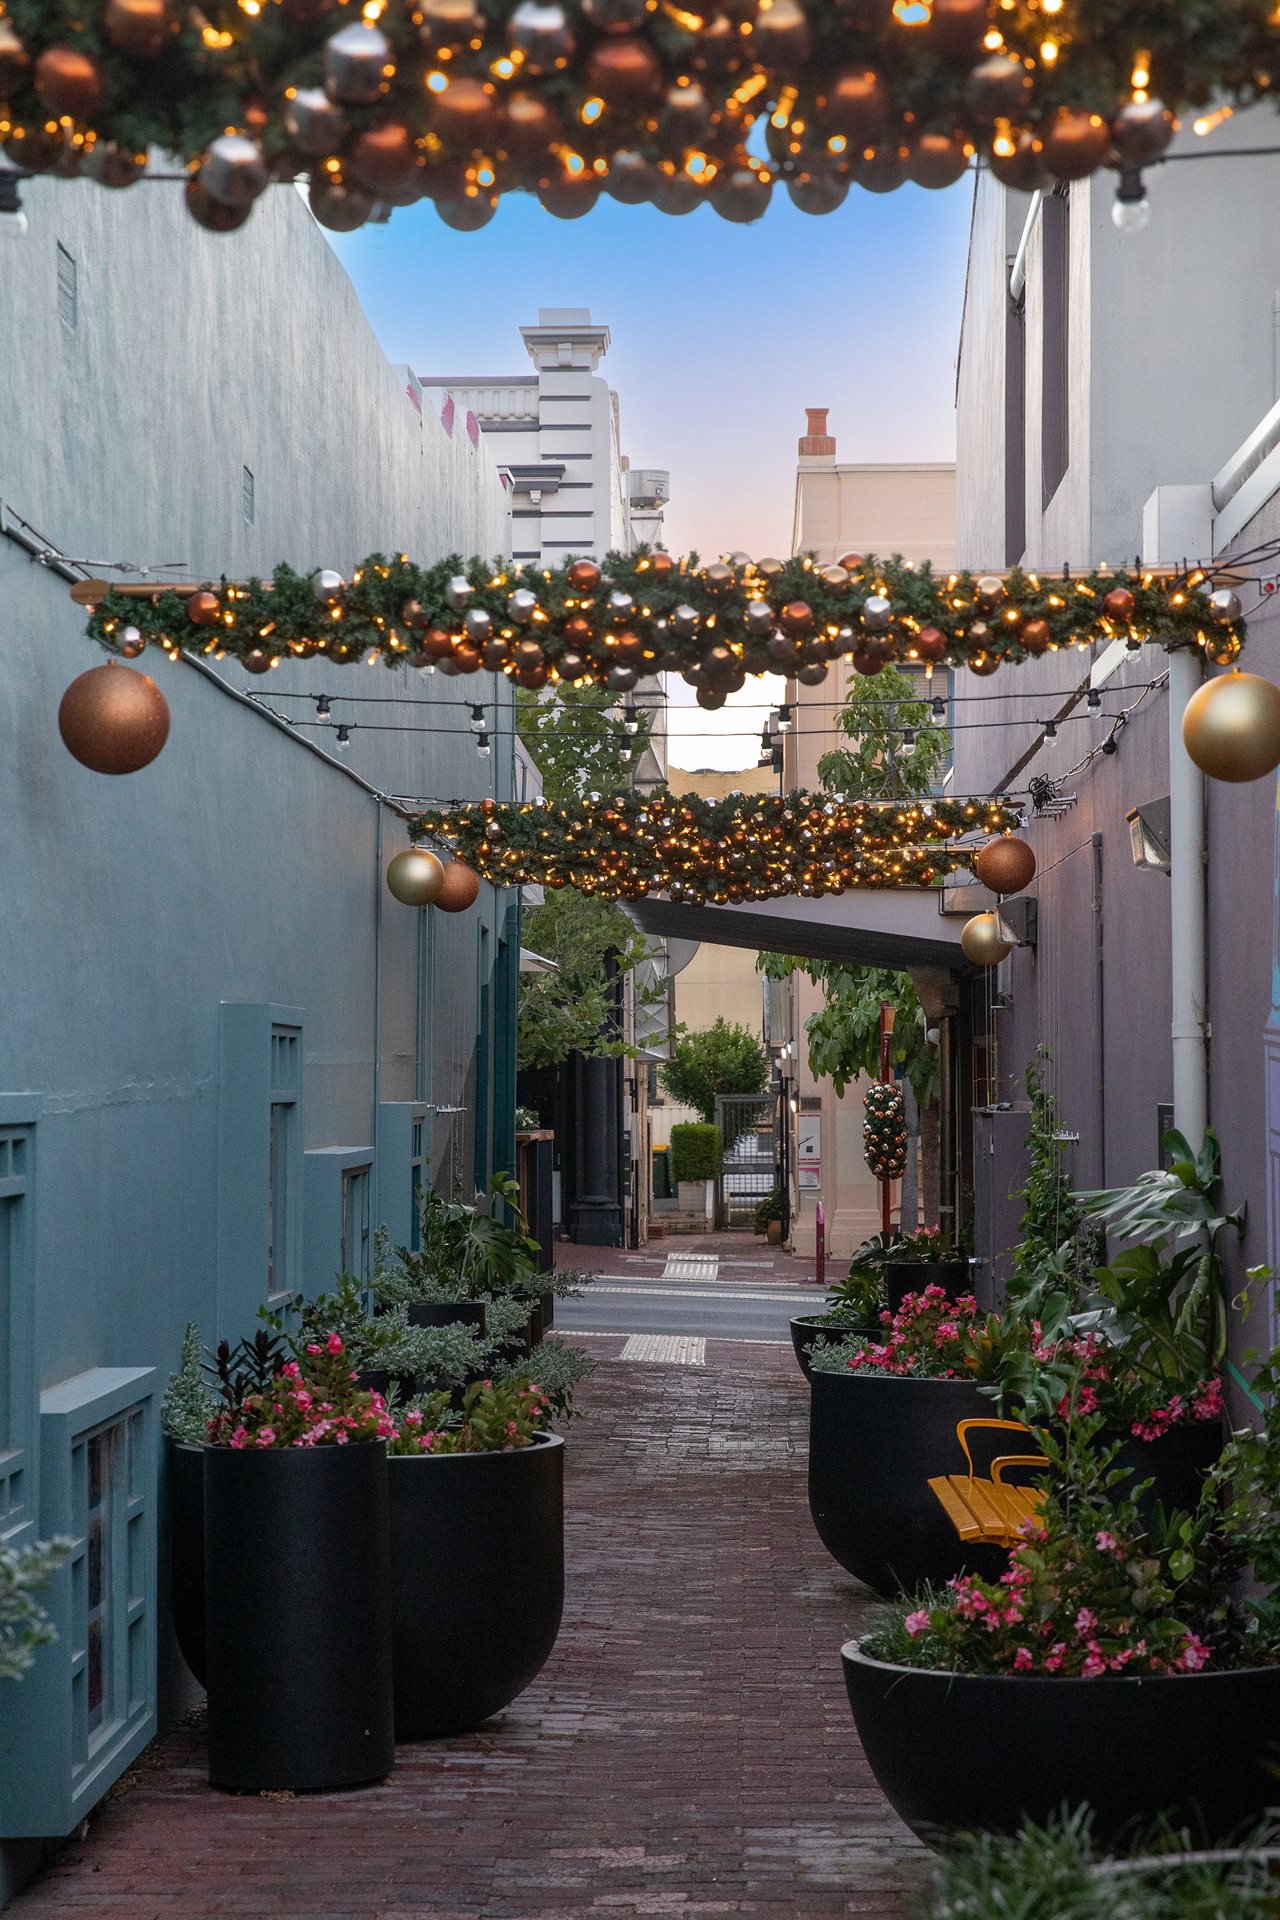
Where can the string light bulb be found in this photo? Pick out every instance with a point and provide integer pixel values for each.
(323, 714)
(1132, 209)
(342, 740)
(13, 221)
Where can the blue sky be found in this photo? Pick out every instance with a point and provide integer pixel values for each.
(721, 336)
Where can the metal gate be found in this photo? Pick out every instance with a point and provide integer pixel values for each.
(748, 1124)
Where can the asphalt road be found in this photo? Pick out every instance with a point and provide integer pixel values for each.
(738, 1310)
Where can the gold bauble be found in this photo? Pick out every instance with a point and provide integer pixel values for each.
(1231, 727)
(416, 877)
(138, 27)
(460, 885)
(113, 719)
(986, 940)
(1006, 865)
(68, 82)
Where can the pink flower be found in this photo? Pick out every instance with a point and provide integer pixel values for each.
(1105, 1542)
(1094, 1665)
(1085, 1622)
(917, 1623)
(266, 1436)
(334, 1343)
(1194, 1655)
(291, 1370)
(302, 1399)
(1022, 1660)
(1053, 1659)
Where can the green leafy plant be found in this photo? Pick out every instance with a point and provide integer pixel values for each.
(558, 1369)
(496, 1417)
(527, 1121)
(696, 1152)
(24, 1624)
(311, 1401)
(465, 1253)
(1056, 1239)
(723, 1059)
(766, 1211)
(189, 1402)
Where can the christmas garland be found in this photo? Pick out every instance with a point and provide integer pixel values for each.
(463, 100)
(884, 1130)
(647, 613)
(744, 847)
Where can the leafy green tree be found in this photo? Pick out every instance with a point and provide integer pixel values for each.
(725, 1058)
(577, 738)
(24, 1624)
(881, 761)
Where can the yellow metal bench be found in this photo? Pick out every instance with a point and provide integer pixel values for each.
(991, 1510)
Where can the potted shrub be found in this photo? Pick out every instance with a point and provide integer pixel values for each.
(766, 1219)
(477, 1529)
(927, 1258)
(188, 1406)
(696, 1159)
(1113, 1664)
(853, 1305)
(297, 1572)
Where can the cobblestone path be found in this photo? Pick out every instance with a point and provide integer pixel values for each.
(687, 1751)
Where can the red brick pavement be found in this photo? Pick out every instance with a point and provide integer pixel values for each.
(687, 1751)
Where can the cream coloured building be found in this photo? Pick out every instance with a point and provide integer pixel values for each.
(845, 507)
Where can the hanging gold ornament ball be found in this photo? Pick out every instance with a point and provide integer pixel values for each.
(113, 719)
(986, 940)
(416, 877)
(1231, 727)
(68, 82)
(138, 27)
(1006, 865)
(204, 610)
(459, 887)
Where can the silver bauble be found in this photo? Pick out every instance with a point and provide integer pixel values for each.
(314, 122)
(542, 34)
(356, 63)
(621, 606)
(330, 586)
(877, 612)
(759, 618)
(457, 593)
(522, 606)
(478, 626)
(234, 172)
(1224, 605)
(684, 622)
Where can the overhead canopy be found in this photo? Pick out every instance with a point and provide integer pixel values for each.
(534, 963)
(873, 927)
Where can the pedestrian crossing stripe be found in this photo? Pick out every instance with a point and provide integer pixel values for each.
(667, 1349)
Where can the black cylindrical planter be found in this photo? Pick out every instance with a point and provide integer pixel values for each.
(548, 1311)
(903, 1277)
(448, 1313)
(478, 1581)
(1175, 1464)
(185, 1470)
(955, 1750)
(298, 1617)
(808, 1328)
(874, 1445)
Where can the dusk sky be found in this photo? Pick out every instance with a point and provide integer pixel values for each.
(721, 336)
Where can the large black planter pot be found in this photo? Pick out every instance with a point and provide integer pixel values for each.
(808, 1328)
(1175, 1464)
(298, 1617)
(478, 1581)
(975, 1750)
(874, 1445)
(902, 1278)
(448, 1313)
(185, 1471)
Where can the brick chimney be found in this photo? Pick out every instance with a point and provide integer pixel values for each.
(816, 442)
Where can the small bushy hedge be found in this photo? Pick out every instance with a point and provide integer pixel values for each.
(696, 1152)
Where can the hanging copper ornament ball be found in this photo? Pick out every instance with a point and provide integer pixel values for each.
(931, 644)
(204, 610)
(854, 104)
(990, 590)
(113, 719)
(741, 194)
(630, 179)
(529, 127)
(465, 115)
(1035, 637)
(415, 877)
(583, 576)
(138, 27)
(337, 206)
(1224, 649)
(216, 215)
(449, 23)
(938, 160)
(1119, 604)
(1141, 131)
(957, 26)
(357, 64)
(14, 58)
(797, 617)
(69, 82)
(1231, 727)
(624, 72)
(1017, 160)
(459, 888)
(986, 940)
(676, 192)
(1006, 865)
(467, 211)
(685, 120)
(1075, 143)
(386, 159)
(998, 87)
(868, 662)
(781, 36)
(817, 190)
(812, 673)
(112, 166)
(882, 169)
(661, 565)
(541, 35)
(569, 195)
(984, 664)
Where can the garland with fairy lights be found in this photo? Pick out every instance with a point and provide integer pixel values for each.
(647, 613)
(463, 100)
(744, 847)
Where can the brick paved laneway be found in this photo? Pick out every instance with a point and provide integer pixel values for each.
(687, 1751)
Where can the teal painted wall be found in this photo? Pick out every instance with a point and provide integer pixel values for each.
(156, 927)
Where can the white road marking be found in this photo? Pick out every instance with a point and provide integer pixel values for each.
(691, 1266)
(668, 1349)
(726, 1294)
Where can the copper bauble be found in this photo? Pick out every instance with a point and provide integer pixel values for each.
(357, 64)
(337, 206)
(204, 610)
(1034, 638)
(69, 82)
(882, 169)
(676, 192)
(569, 195)
(938, 160)
(14, 58)
(449, 23)
(529, 127)
(583, 576)
(854, 104)
(630, 179)
(741, 194)
(113, 166)
(957, 26)
(114, 719)
(868, 660)
(984, 664)
(817, 190)
(1141, 131)
(415, 877)
(1075, 143)
(624, 72)
(797, 617)
(216, 215)
(138, 27)
(466, 116)
(986, 940)
(385, 159)
(812, 673)
(542, 35)
(1006, 865)
(1119, 604)
(257, 660)
(1231, 727)
(781, 36)
(685, 120)
(931, 644)
(998, 87)
(1017, 161)
(234, 171)
(661, 565)
(468, 211)
(459, 888)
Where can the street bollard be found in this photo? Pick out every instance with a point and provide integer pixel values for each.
(820, 1245)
